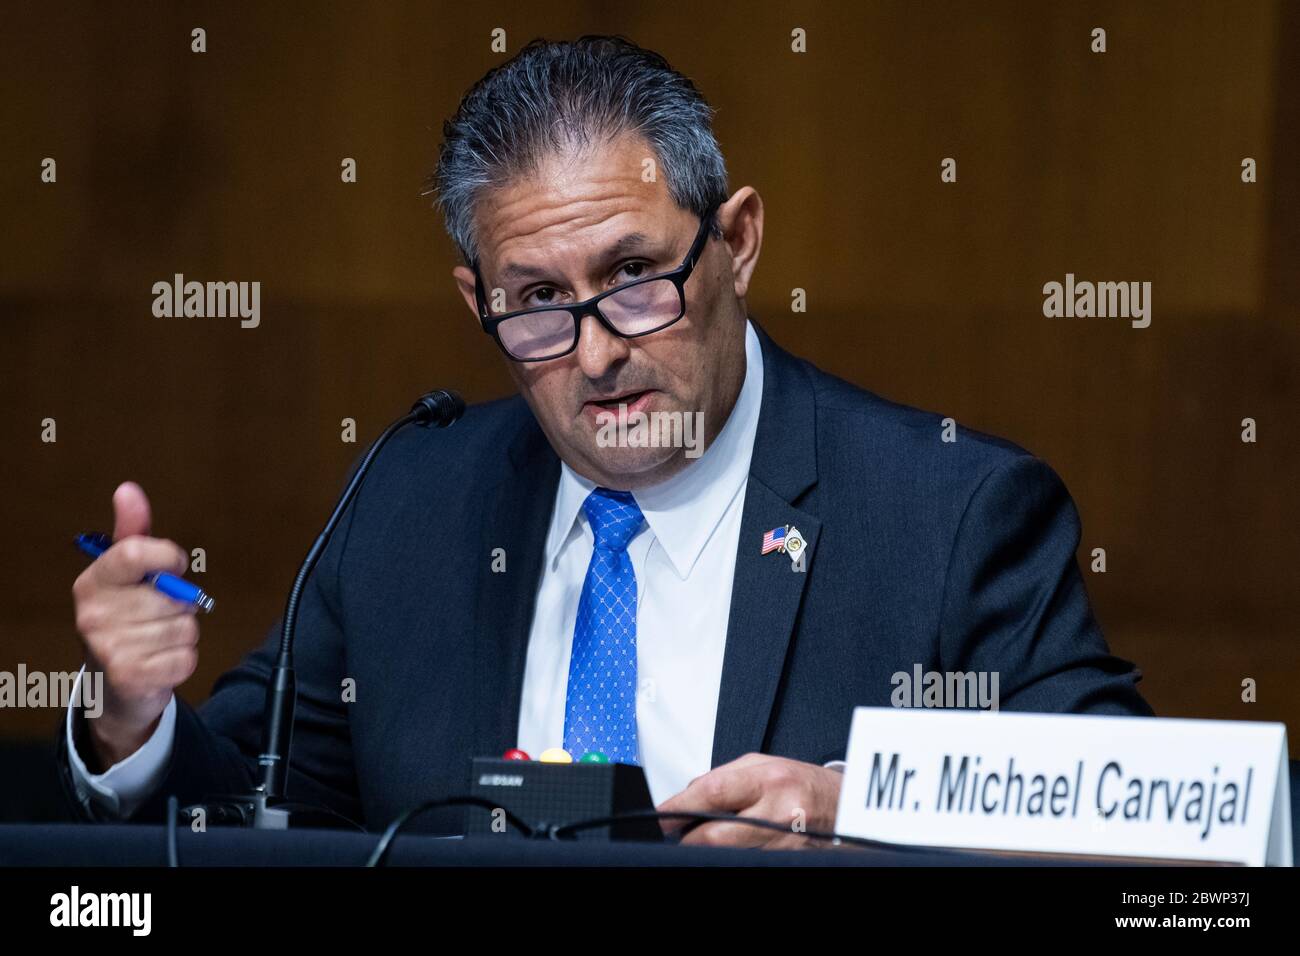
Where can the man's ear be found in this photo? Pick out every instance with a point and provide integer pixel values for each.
(741, 219)
(464, 277)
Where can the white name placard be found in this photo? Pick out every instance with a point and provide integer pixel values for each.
(1212, 790)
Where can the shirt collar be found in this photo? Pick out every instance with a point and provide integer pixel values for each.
(684, 511)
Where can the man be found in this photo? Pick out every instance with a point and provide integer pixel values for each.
(713, 617)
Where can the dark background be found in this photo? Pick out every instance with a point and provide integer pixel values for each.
(224, 166)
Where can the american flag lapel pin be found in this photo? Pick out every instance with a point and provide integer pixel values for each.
(774, 540)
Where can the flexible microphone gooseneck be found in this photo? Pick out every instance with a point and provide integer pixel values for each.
(437, 409)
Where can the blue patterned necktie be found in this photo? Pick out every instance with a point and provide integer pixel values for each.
(600, 708)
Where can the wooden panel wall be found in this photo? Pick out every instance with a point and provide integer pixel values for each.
(225, 165)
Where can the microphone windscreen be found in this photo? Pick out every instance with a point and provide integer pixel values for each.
(439, 408)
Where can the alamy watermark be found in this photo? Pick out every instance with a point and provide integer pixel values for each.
(212, 300)
(952, 689)
(55, 689)
(133, 911)
(1085, 300)
(624, 429)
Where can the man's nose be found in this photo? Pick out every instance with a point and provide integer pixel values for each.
(599, 349)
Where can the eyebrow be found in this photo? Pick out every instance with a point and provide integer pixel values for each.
(625, 244)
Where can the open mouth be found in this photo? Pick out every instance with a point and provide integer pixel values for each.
(633, 401)
(630, 398)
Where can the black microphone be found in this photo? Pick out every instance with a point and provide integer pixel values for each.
(437, 409)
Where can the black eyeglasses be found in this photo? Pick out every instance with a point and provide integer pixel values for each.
(636, 308)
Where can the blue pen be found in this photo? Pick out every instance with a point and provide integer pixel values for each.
(169, 584)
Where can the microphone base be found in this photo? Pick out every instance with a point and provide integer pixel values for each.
(252, 810)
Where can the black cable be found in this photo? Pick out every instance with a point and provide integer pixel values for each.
(322, 540)
(173, 856)
(561, 831)
(236, 812)
(380, 854)
(324, 811)
(557, 832)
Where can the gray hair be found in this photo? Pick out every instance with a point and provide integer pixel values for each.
(554, 95)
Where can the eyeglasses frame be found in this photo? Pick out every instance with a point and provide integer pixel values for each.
(578, 310)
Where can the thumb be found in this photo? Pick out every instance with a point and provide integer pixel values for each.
(130, 511)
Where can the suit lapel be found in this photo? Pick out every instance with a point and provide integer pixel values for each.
(766, 592)
(516, 515)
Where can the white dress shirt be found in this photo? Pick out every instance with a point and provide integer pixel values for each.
(125, 785)
(684, 557)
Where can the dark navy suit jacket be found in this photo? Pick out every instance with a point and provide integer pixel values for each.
(957, 556)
